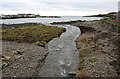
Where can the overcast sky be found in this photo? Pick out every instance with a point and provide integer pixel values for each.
(58, 7)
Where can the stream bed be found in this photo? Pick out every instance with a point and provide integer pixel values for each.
(63, 56)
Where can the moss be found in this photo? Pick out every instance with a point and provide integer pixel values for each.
(92, 59)
(38, 35)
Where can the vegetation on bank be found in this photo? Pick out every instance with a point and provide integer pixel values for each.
(113, 22)
(38, 35)
(109, 17)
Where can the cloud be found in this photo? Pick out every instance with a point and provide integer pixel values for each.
(58, 7)
(76, 1)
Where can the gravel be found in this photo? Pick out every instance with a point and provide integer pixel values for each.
(29, 64)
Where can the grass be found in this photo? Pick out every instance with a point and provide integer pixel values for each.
(38, 35)
(92, 59)
(113, 22)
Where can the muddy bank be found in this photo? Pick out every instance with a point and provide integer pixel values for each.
(97, 50)
(98, 47)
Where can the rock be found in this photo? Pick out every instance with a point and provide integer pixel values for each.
(18, 52)
(6, 57)
(46, 53)
(118, 73)
(17, 56)
(4, 64)
(72, 74)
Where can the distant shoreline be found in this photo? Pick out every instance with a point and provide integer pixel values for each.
(26, 16)
(33, 17)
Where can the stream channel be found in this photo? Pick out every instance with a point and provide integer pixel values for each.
(63, 56)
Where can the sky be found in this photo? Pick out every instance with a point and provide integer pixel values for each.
(59, 7)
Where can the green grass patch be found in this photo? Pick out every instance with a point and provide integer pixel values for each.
(113, 22)
(92, 59)
(39, 35)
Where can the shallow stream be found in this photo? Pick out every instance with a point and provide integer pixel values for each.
(63, 55)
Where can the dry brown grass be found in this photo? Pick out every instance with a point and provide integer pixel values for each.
(80, 74)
